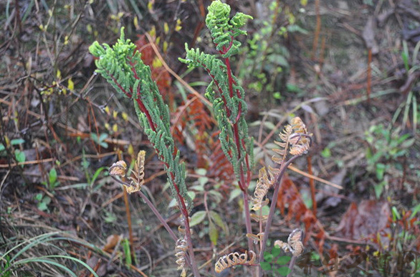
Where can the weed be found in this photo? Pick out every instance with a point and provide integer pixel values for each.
(100, 140)
(386, 148)
(19, 255)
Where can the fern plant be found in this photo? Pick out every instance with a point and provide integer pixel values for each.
(122, 67)
(226, 94)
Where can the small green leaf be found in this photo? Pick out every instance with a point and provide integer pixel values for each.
(218, 220)
(191, 194)
(213, 233)
(268, 257)
(127, 252)
(292, 88)
(379, 189)
(42, 206)
(282, 260)
(216, 195)
(326, 153)
(203, 180)
(283, 271)
(380, 171)
(38, 196)
(52, 176)
(395, 214)
(110, 217)
(20, 156)
(197, 218)
(97, 172)
(172, 204)
(234, 193)
(415, 209)
(265, 266)
(197, 188)
(275, 251)
(102, 137)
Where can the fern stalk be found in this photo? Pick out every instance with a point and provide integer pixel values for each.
(277, 185)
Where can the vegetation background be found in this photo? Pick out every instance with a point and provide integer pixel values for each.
(349, 69)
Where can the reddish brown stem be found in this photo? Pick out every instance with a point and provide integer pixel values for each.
(242, 184)
(311, 184)
(369, 75)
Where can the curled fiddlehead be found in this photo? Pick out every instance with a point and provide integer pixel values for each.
(256, 238)
(294, 243)
(263, 184)
(300, 139)
(233, 259)
(120, 169)
(295, 138)
(224, 30)
(180, 253)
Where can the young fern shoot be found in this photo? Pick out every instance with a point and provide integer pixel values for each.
(226, 94)
(122, 67)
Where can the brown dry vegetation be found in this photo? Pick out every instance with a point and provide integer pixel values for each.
(350, 69)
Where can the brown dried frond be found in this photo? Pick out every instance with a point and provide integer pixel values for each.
(233, 259)
(194, 114)
(256, 238)
(180, 252)
(138, 173)
(294, 135)
(299, 139)
(294, 243)
(118, 169)
(263, 184)
(259, 218)
(289, 199)
(283, 145)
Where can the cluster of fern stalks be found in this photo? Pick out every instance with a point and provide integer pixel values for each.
(122, 67)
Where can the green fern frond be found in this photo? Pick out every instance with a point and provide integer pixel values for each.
(224, 91)
(122, 67)
(223, 29)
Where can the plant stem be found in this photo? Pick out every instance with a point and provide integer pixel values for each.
(279, 177)
(191, 260)
(291, 266)
(242, 183)
(158, 215)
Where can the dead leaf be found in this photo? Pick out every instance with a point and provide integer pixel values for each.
(111, 242)
(364, 219)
